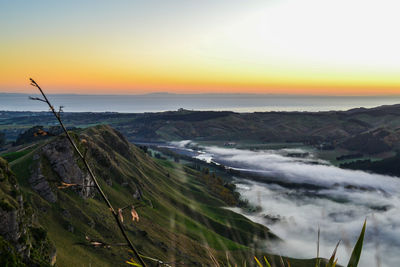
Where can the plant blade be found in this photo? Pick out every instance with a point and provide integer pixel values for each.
(332, 259)
(355, 255)
(266, 262)
(282, 262)
(258, 262)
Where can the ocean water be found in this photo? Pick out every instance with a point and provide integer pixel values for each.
(165, 102)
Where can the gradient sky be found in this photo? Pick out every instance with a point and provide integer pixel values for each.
(335, 47)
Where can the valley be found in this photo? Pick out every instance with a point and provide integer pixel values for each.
(187, 169)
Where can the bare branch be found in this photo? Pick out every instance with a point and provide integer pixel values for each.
(37, 99)
(130, 205)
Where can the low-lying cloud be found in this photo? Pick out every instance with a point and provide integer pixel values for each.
(339, 204)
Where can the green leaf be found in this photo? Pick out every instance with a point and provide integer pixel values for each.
(331, 262)
(355, 255)
(258, 262)
(133, 262)
(266, 262)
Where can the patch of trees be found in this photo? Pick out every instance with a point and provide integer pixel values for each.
(350, 156)
(389, 166)
(2, 139)
(33, 134)
(144, 148)
(159, 156)
(367, 143)
(37, 133)
(221, 189)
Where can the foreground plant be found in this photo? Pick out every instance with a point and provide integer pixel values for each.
(353, 261)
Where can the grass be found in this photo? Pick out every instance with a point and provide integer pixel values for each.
(178, 221)
(11, 156)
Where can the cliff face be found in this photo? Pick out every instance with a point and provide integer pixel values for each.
(55, 163)
(17, 226)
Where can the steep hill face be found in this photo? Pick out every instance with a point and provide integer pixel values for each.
(180, 220)
(23, 241)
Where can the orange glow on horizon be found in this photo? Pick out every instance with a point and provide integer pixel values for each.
(92, 76)
(229, 51)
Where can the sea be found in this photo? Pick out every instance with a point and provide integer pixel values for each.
(158, 102)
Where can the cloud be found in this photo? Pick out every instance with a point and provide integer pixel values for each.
(339, 206)
(181, 144)
(302, 170)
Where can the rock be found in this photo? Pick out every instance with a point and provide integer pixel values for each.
(41, 185)
(62, 160)
(16, 224)
(9, 221)
(138, 194)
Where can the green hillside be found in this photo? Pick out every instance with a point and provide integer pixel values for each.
(181, 221)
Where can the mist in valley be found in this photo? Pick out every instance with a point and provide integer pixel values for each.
(296, 195)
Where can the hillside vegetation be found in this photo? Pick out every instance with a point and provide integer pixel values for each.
(181, 219)
(368, 131)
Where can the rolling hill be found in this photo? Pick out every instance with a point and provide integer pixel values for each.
(181, 221)
(363, 130)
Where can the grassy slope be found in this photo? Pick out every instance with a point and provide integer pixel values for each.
(180, 218)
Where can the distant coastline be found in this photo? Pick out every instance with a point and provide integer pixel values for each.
(158, 102)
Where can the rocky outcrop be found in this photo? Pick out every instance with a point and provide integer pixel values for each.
(11, 230)
(55, 164)
(16, 224)
(39, 182)
(11, 209)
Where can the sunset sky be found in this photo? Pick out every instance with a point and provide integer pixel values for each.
(337, 47)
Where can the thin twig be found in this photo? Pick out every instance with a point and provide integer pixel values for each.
(130, 205)
(37, 99)
(104, 197)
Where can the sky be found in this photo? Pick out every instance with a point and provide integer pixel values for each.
(340, 47)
